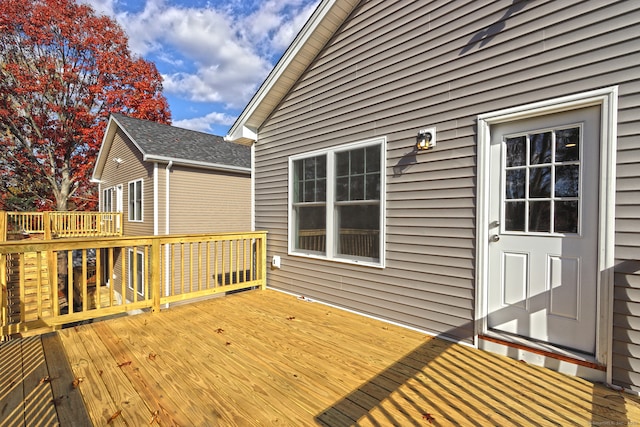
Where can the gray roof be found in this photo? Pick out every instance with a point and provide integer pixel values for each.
(169, 143)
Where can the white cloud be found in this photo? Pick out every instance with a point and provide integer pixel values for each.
(203, 124)
(218, 53)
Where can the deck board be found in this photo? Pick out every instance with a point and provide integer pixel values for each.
(69, 405)
(280, 360)
(263, 358)
(36, 385)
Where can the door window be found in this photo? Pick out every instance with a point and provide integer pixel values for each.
(541, 181)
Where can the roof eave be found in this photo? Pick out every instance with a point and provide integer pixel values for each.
(321, 26)
(197, 164)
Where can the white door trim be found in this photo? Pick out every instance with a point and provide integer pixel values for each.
(607, 99)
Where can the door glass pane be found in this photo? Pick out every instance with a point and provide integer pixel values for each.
(514, 216)
(567, 144)
(566, 217)
(540, 182)
(540, 147)
(516, 151)
(515, 184)
(567, 179)
(539, 216)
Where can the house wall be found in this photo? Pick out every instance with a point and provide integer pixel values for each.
(131, 168)
(397, 67)
(202, 201)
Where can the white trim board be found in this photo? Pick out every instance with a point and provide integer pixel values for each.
(606, 98)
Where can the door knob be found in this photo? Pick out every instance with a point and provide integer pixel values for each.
(495, 238)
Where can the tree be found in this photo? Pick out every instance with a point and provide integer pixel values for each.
(63, 70)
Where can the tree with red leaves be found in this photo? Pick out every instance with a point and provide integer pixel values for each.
(63, 70)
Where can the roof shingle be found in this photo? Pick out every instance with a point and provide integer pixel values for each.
(157, 140)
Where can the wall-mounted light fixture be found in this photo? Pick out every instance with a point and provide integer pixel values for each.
(118, 160)
(426, 139)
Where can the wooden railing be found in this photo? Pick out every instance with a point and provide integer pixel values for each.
(61, 224)
(52, 283)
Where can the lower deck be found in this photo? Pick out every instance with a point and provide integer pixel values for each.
(268, 358)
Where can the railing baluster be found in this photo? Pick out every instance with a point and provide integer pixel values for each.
(232, 261)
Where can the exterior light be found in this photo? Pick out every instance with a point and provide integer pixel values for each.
(426, 139)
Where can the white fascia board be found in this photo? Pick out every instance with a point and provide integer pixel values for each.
(193, 163)
(105, 146)
(321, 16)
(242, 135)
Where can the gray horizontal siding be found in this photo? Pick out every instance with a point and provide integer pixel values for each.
(396, 67)
(132, 168)
(205, 201)
(626, 344)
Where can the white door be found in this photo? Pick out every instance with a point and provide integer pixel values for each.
(119, 206)
(544, 177)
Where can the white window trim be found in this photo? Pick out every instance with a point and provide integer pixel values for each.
(606, 98)
(141, 181)
(130, 271)
(330, 203)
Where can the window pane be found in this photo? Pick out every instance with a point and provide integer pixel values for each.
(311, 228)
(359, 231)
(321, 167)
(540, 148)
(515, 184)
(567, 145)
(356, 187)
(310, 179)
(342, 189)
(342, 163)
(514, 216)
(539, 216)
(373, 187)
(309, 169)
(373, 159)
(540, 182)
(357, 161)
(567, 179)
(566, 217)
(321, 190)
(309, 191)
(140, 271)
(516, 151)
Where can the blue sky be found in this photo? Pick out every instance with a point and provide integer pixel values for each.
(213, 55)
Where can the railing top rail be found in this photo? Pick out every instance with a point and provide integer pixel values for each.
(77, 243)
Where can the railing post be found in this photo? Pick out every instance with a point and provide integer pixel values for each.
(156, 286)
(4, 298)
(47, 225)
(263, 260)
(3, 226)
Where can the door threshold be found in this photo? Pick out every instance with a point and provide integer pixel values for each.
(558, 359)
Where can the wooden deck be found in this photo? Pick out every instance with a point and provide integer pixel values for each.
(266, 358)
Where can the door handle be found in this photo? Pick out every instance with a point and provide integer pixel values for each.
(495, 238)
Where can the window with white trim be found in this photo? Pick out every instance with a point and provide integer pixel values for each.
(135, 270)
(336, 207)
(107, 200)
(135, 200)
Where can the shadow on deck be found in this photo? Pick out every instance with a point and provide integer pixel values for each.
(267, 358)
